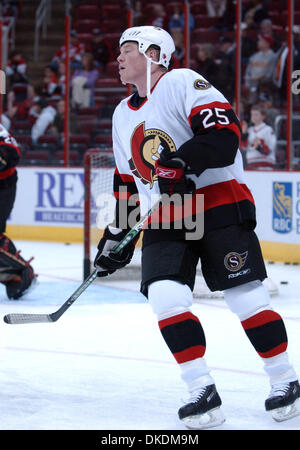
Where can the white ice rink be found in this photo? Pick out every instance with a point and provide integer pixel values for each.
(104, 365)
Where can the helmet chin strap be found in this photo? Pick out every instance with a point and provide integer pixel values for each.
(149, 61)
(149, 79)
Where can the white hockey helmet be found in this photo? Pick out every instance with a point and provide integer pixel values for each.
(148, 35)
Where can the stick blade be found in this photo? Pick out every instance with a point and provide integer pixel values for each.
(27, 318)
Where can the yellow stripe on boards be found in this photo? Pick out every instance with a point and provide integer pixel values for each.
(280, 251)
(44, 233)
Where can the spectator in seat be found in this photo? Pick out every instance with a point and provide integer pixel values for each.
(29, 109)
(9, 8)
(226, 64)
(139, 17)
(266, 102)
(83, 83)
(176, 21)
(159, 17)
(100, 49)
(205, 64)
(279, 76)
(178, 55)
(57, 126)
(225, 16)
(248, 47)
(216, 8)
(255, 12)
(16, 69)
(61, 77)
(258, 141)
(260, 67)
(50, 80)
(266, 29)
(43, 121)
(76, 50)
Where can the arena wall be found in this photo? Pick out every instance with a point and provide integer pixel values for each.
(49, 207)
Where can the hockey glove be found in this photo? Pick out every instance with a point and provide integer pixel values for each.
(108, 262)
(171, 176)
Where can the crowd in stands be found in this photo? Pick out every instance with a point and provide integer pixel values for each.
(93, 50)
(9, 8)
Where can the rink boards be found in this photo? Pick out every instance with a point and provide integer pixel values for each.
(49, 207)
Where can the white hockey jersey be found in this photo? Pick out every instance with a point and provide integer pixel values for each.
(264, 135)
(166, 121)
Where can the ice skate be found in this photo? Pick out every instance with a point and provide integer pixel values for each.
(284, 401)
(203, 409)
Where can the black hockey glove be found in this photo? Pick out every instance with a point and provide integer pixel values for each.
(171, 176)
(108, 262)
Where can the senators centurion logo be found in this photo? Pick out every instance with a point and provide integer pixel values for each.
(146, 146)
(234, 261)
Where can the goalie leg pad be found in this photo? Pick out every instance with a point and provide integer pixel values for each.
(15, 273)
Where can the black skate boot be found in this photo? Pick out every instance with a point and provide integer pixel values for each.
(203, 409)
(283, 401)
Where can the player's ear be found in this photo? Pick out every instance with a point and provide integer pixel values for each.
(153, 53)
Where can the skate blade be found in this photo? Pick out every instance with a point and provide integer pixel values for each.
(286, 412)
(212, 418)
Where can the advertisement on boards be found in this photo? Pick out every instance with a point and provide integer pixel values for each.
(50, 205)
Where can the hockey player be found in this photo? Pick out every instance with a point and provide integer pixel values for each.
(15, 273)
(176, 121)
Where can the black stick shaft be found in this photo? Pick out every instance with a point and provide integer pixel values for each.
(22, 318)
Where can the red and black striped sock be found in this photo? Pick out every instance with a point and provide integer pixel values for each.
(184, 335)
(266, 331)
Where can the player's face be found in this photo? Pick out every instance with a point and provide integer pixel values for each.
(132, 64)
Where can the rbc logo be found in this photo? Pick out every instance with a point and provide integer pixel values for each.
(282, 207)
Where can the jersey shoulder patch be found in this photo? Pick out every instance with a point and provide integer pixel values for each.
(201, 84)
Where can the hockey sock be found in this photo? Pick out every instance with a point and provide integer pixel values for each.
(264, 328)
(184, 335)
(266, 332)
(185, 338)
(181, 330)
(279, 369)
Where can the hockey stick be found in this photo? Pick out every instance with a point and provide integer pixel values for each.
(20, 318)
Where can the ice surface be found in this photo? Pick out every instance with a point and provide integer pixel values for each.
(104, 365)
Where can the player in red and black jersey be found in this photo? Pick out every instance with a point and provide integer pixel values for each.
(15, 273)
